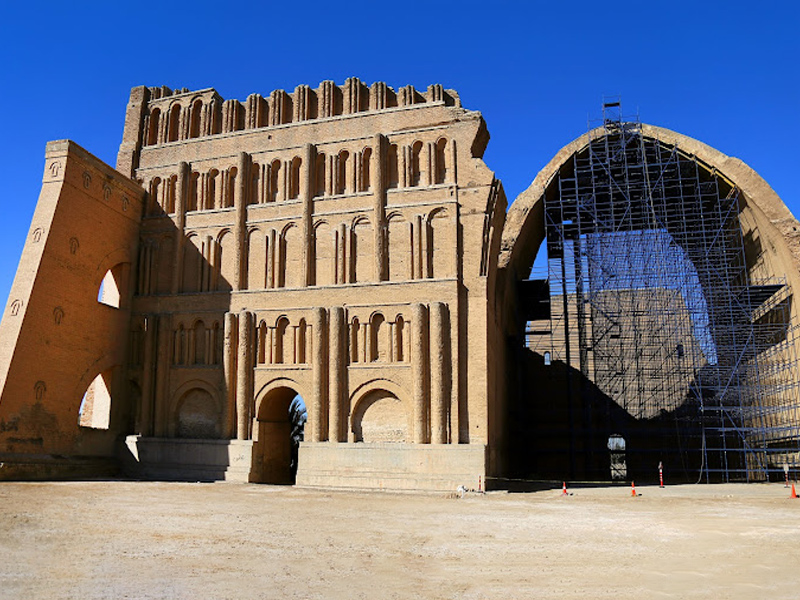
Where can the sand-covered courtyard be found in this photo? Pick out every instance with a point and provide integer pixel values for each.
(125, 539)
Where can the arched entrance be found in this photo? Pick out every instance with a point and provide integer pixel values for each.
(280, 423)
(663, 314)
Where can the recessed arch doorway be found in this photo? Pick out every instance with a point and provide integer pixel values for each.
(280, 427)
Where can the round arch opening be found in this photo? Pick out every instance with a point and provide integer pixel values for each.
(655, 315)
(280, 422)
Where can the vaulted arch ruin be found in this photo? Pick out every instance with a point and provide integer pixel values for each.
(665, 312)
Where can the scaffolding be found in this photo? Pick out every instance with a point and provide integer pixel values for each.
(669, 339)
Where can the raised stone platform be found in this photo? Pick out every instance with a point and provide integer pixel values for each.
(391, 466)
(187, 459)
(43, 467)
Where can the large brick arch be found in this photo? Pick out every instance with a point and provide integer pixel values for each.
(524, 228)
(762, 215)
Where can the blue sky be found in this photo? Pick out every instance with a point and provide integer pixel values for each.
(726, 73)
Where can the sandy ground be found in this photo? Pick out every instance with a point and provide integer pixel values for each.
(121, 539)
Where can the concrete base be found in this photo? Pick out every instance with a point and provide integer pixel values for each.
(391, 466)
(187, 460)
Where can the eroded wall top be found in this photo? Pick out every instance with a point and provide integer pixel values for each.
(160, 115)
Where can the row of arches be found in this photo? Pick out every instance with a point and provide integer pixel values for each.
(209, 263)
(347, 172)
(378, 339)
(179, 122)
(211, 190)
(282, 343)
(340, 254)
(201, 116)
(154, 269)
(344, 253)
(197, 344)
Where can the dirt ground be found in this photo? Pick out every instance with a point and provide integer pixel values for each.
(123, 539)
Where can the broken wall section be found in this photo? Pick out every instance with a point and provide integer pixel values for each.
(63, 335)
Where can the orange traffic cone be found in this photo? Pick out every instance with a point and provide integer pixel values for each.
(564, 490)
(633, 490)
(794, 493)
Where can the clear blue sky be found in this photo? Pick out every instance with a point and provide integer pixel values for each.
(726, 73)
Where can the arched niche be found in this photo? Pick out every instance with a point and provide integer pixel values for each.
(197, 415)
(381, 414)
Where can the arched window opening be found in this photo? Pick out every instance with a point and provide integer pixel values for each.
(416, 171)
(255, 188)
(377, 350)
(324, 258)
(179, 346)
(399, 337)
(280, 340)
(392, 170)
(95, 409)
(290, 272)
(262, 343)
(274, 173)
(355, 333)
(362, 253)
(230, 186)
(399, 244)
(223, 253)
(294, 178)
(213, 190)
(366, 160)
(199, 339)
(152, 134)
(192, 202)
(193, 262)
(320, 175)
(439, 257)
(256, 263)
(440, 164)
(155, 196)
(547, 359)
(112, 288)
(300, 354)
(341, 172)
(197, 111)
(174, 123)
(172, 184)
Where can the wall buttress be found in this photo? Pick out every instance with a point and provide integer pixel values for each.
(439, 363)
(306, 193)
(244, 376)
(148, 377)
(379, 208)
(240, 233)
(317, 426)
(180, 225)
(338, 368)
(230, 353)
(419, 373)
